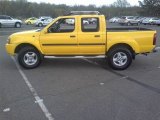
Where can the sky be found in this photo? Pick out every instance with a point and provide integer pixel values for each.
(83, 2)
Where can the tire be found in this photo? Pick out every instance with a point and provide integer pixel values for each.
(138, 23)
(129, 24)
(29, 58)
(119, 58)
(40, 25)
(0, 25)
(18, 25)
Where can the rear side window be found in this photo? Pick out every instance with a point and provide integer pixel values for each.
(90, 24)
(2, 17)
(8, 18)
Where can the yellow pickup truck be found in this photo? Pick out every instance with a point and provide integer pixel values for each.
(84, 36)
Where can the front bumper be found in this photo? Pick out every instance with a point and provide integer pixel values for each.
(10, 48)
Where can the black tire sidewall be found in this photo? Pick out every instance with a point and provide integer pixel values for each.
(111, 55)
(21, 58)
(40, 25)
(29, 23)
(19, 24)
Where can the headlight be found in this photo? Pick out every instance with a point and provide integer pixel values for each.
(8, 40)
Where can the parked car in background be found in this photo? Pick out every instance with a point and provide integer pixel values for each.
(146, 21)
(31, 20)
(114, 20)
(92, 20)
(157, 22)
(153, 21)
(150, 20)
(70, 21)
(7, 21)
(43, 21)
(140, 19)
(128, 20)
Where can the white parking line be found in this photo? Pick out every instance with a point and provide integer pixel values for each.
(89, 61)
(39, 101)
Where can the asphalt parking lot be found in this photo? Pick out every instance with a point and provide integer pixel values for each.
(79, 89)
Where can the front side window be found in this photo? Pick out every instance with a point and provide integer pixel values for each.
(63, 25)
(90, 24)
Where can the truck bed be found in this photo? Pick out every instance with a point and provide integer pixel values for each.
(141, 38)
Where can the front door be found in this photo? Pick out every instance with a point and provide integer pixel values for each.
(61, 38)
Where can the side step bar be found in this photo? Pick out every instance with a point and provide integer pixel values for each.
(74, 57)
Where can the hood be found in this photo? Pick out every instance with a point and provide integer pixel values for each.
(25, 36)
(30, 32)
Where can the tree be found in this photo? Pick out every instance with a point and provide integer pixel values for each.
(150, 7)
(121, 4)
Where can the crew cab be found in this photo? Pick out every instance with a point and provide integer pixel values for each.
(7, 21)
(118, 46)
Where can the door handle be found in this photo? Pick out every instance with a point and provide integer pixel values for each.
(72, 36)
(97, 36)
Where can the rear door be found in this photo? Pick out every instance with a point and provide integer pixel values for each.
(9, 21)
(90, 36)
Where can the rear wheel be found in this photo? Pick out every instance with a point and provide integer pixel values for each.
(0, 25)
(29, 58)
(119, 58)
(40, 25)
(28, 23)
(129, 24)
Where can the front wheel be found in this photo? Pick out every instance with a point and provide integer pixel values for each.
(29, 58)
(119, 58)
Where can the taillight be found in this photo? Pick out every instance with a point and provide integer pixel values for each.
(154, 39)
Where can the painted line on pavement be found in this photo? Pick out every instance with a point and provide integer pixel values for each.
(39, 101)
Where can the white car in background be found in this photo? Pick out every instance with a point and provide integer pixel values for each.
(70, 21)
(150, 21)
(157, 22)
(43, 21)
(7, 21)
(114, 20)
(153, 21)
(128, 20)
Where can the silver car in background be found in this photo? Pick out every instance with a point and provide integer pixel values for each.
(157, 22)
(114, 20)
(43, 21)
(150, 21)
(7, 21)
(128, 20)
